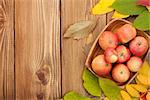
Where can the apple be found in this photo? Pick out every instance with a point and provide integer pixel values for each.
(144, 2)
(126, 33)
(123, 53)
(100, 66)
(108, 39)
(111, 55)
(120, 73)
(138, 46)
(134, 64)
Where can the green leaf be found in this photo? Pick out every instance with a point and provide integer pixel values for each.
(75, 96)
(91, 83)
(128, 7)
(142, 22)
(80, 29)
(96, 99)
(110, 88)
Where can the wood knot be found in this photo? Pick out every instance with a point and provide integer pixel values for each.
(2, 14)
(2, 19)
(40, 96)
(43, 74)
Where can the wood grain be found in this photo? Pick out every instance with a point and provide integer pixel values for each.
(73, 58)
(36, 62)
(7, 91)
(37, 50)
(109, 16)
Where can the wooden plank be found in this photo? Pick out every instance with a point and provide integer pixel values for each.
(37, 50)
(7, 50)
(109, 16)
(73, 58)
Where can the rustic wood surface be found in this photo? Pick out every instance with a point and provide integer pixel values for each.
(37, 49)
(7, 72)
(36, 62)
(73, 58)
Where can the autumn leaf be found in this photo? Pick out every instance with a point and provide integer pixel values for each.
(128, 7)
(148, 7)
(142, 22)
(89, 39)
(75, 96)
(110, 88)
(145, 69)
(91, 84)
(103, 6)
(119, 15)
(80, 29)
(144, 3)
(134, 98)
(87, 48)
(143, 74)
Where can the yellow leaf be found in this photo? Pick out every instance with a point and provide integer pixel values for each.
(148, 96)
(106, 3)
(144, 79)
(120, 98)
(132, 91)
(125, 95)
(148, 7)
(140, 88)
(137, 81)
(106, 98)
(119, 15)
(104, 6)
(145, 69)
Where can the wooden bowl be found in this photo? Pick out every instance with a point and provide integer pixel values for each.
(96, 49)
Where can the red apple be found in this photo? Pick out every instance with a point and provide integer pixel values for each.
(111, 55)
(123, 54)
(144, 2)
(100, 66)
(120, 73)
(134, 64)
(108, 39)
(138, 46)
(126, 33)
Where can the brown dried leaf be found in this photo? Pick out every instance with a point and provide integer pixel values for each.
(89, 39)
(87, 48)
(80, 29)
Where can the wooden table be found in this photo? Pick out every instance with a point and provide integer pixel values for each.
(36, 62)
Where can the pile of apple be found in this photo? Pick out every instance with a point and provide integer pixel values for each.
(122, 55)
